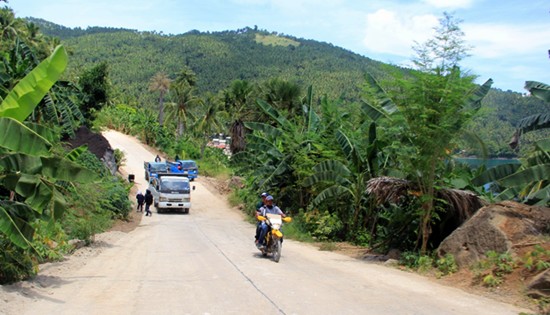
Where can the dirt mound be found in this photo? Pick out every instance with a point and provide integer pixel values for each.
(97, 144)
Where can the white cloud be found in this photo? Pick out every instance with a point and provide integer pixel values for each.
(388, 32)
(451, 4)
(499, 40)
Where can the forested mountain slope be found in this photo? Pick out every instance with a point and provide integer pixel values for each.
(217, 58)
(255, 55)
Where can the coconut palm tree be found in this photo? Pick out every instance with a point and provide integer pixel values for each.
(161, 83)
(179, 111)
(238, 103)
(283, 95)
(208, 121)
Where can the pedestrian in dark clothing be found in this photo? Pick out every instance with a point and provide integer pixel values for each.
(140, 200)
(157, 158)
(148, 203)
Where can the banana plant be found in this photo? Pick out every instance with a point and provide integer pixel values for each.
(529, 183)
(28, 168)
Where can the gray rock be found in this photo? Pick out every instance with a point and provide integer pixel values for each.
(539, 287)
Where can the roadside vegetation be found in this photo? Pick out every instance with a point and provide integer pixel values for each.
(375, 169)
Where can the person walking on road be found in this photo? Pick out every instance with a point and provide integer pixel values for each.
(148, 203)
(140, 200)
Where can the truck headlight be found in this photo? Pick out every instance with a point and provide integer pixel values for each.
(163, 199)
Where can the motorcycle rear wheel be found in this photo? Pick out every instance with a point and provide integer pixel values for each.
(277, 247)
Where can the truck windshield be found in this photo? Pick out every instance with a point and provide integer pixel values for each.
(175, 186)
(188, 164)
(158, 167)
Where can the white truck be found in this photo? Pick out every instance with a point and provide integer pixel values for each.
(171, 192)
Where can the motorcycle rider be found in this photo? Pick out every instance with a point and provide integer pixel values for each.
(259, 205)
(269, 207)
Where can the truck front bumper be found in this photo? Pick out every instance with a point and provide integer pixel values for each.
(173, 205)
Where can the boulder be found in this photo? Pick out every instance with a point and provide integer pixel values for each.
(497, 227)
(539, 287)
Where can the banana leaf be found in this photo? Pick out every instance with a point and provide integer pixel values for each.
(52, 167)
(474, 100)
(495, 174)
(332, 192)
(28, 93)
(18, 230)
(19, 138)
(538, 89)
(528, 175)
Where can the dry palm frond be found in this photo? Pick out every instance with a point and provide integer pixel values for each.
(388, 189)
(461, 202)
(393, 190)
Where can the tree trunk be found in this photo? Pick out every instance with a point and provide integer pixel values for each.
(161, 109)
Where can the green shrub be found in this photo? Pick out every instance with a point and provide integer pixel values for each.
(322, 225)
(446, 265)
(15, 263)
(491, 280)
(538, 258)
(491, 270)
(91, 162)
(215, 164)
(92, 207)
(84, 226)
(115, 198)
(50, 241)
(425, 264)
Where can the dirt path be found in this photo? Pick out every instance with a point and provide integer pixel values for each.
(206, 263)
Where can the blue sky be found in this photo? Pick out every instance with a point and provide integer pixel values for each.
(510, 38)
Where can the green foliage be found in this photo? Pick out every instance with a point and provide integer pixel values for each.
(84, 226)
(94, 85)
(215, 163)
(491, 280)
(16, 263)
(118, 117)
(218, 58)
(115, 198)
(427, 263)
(23, 98)
(322, 225)
(120, 159)
(87, 216)
(50, 241)
(491, 270)
(446, 265)
(92, 163)
(537, 259)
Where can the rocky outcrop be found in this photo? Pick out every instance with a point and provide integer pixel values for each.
(497, 227)
(539, 287)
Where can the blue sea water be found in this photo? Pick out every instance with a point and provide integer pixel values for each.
(475, 163)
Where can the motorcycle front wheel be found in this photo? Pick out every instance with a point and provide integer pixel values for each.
(277, 247)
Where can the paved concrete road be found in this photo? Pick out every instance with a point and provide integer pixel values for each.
(206, 263)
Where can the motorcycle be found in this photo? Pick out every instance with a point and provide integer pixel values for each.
(274, 236)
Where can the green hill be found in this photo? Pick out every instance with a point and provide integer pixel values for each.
(218, 58)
